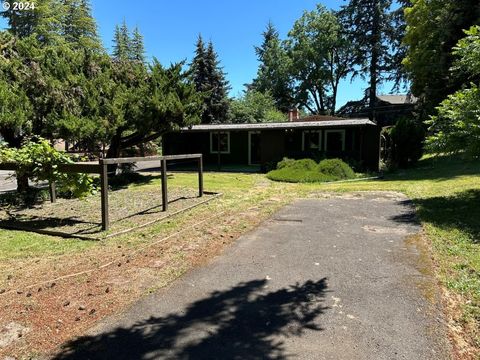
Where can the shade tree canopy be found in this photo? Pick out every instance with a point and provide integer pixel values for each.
(433, 29)
(253, 107)
(456, 126)
(320, 57)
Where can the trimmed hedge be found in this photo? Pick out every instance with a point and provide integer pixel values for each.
(307, 170)
(336, 168)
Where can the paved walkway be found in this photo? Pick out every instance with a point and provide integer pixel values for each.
(323, 279)
(7, 182)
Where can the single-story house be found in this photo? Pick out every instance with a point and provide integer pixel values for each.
(265, 144)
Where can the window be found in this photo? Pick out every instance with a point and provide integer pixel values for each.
(335, 140)
(220, 142)
(311, 140)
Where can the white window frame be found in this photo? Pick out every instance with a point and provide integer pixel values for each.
(211, 142)
(342, 131)
(320, 142)
(250, 146)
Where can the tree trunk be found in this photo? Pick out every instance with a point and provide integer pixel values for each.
(375, 44)
(22, 183)
(114, 150)
(334, 98)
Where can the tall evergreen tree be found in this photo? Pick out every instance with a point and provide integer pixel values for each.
(137, 48)
(370, 26)
(79, 26)
(273, 71)
(217, 101)
(199, 66)
(121, 43)
(209, 79)
(45, 21)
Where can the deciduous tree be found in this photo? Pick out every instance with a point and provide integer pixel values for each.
(433, 28)
(320, 57)
(456, 126)
(254, 107)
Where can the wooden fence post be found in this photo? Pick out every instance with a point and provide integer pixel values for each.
(104, 194)
(164, 185)
(200, 176)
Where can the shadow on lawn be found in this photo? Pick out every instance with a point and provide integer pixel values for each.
(239, 323)
(460, 211)
(438, 168)
(123, 181)
(52, 223)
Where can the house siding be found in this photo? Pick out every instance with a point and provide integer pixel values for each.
(361, 145)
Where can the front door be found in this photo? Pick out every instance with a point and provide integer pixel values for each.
(254, 152)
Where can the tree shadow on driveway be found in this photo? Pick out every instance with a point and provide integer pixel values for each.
(243, 322)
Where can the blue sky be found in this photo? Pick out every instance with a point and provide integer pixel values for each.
(170, 29)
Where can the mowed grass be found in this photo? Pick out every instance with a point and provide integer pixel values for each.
(446, 193)
(237, 189)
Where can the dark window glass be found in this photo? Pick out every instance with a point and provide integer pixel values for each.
(334, 141)
(311, 140)
(220, 140)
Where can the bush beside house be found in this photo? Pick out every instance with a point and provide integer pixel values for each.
(307, 170)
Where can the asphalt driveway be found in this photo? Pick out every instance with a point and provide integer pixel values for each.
(333, 278)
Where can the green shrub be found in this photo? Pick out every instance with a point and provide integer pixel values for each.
(295, 176)
(407, 136)
(336, 168)
(307, 170)
(39, 161)
(303, 164)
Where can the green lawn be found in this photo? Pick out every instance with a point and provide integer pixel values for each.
(446, 192)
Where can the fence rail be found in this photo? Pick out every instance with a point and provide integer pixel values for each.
(101, 168)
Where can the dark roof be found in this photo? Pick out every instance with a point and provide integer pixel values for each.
(318, 118)
(281, 125)
(398, 99)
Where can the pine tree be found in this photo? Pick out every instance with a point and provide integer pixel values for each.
(198, 66)
(44, 21)
(216, 102)
(121, 43)
(80, 28)
(273, 74)
(209, 79)
(137, 48)
(370, 25)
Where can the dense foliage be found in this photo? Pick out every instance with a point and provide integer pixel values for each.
(323, 47)
(307, 170)
(209, 80)
(456, 126)
(57, 81)
(320, 56)
(273, 74)
(407, 136)
(433, 29)
(253, 107)
(39, 161)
